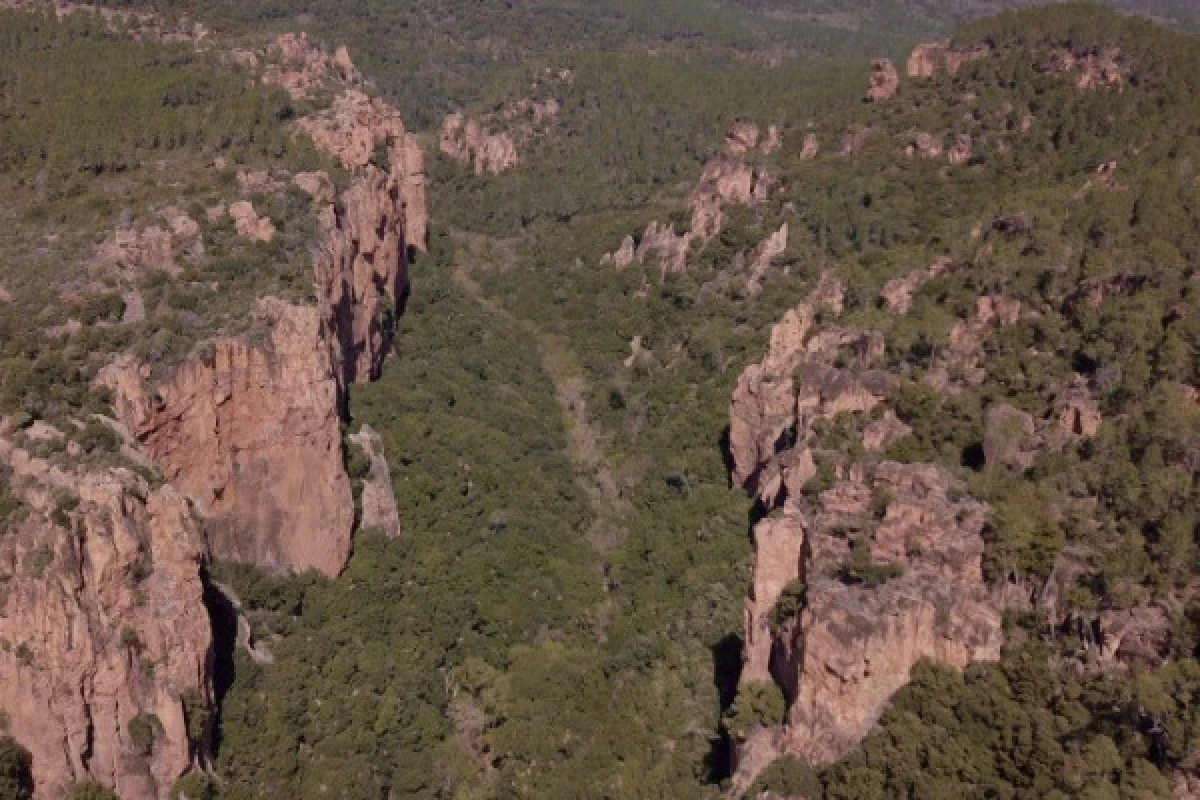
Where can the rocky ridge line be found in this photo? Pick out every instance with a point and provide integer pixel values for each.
(726, 180)
(106, 645)
(863, 566)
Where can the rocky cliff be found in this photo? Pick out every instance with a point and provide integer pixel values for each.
(106, 647)
(105, 643)
(251, 431)
(862, 566)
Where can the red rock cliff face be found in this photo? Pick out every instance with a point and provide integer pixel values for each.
(104, 629)
(253, 437)
(843, 649)
(362, 272)
(252, 434)
(106, 647)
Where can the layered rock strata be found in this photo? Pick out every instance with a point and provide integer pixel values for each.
(862, 566)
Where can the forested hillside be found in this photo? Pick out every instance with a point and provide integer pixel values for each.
(1002, 245)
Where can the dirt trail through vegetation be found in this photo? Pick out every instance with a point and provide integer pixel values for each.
(585, 440)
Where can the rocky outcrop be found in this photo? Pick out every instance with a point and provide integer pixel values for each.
(354, 130)
(854, 141)
(898, 293)
(251, 433)
(957, 366)
(926, 145)
(670, 248)
(929, 58)
(853, 645)
(725, 180)
(768, 251)
(135, 252)
(132, 24)
(745, 137)
(1009, 437)
(1091, 69)
(299, 65)
(249, 224)
(855, 580)
(492, 143)
(885, 81)
(106, 656)
(378, 501)
(810, 148)
(466, 141)
(764, 401)
(962, 150)
(1077, 412)
(362, 272)
(623, 256)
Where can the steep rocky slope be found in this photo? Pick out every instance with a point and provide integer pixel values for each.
(107, 650)
(108, 657)
(252, 432)
(859, 573)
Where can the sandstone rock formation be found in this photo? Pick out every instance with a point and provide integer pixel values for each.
(765, 255)
(898, 293)
(1091, 69)
(744, 137)
(466, 141)
(962, 149)
(854, 141)
(301, 66)
(136, 251)
(810, 148)
(1009, 437)
(885, 81)
(249, 224)
(362, 272)
(725, 180)
(926, 145)
(957, 366)
(1078, 414)
(106, 656)
(378, 501)
(491, 144)
(251, 432)
(354, 129)
(133, 24)
(252, 435)
(623, 256)
(670, 248)
(105, 636)
(879, 569)
(741, 138)
(929, 58)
